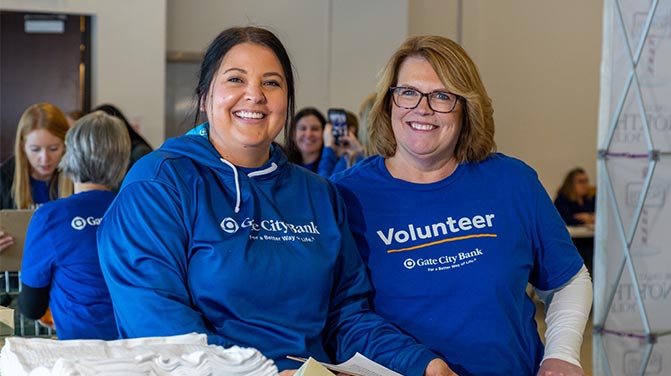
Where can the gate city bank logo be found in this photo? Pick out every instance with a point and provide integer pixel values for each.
(231, 226)
(409, 263)
(78, 223)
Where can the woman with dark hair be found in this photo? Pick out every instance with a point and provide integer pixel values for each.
(217, 233)
(575, 203)
(305, 143)
(139, 146)
(575, 199)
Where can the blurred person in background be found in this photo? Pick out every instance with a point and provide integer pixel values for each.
(575, 198)
(30, 177)
(575, 202)
(60, 267)
(139, 146)
(337, 157)
(304, 142)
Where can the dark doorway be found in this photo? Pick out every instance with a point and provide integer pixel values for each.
(43, 58)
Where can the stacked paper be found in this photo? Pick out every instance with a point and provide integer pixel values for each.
(187, 354)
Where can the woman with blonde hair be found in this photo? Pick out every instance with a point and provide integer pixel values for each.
(30, 178)
(460, 229)
(364, 124)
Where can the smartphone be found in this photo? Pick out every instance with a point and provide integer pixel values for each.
(338, 119)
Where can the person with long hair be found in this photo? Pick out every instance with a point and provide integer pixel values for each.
(461, 230)
(217, 233)
(30, 177)
(60, 268)
(304, 143)
(575, 198)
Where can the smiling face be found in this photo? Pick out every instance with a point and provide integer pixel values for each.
(309, 135)
(424, 136)
(247, 104)
(43, 151)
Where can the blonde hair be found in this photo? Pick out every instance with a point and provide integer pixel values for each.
(460, 76)
(38, 116)
(364, 116)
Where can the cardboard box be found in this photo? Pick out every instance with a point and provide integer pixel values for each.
(6, 321)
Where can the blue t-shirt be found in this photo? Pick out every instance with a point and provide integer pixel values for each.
(61, 253)
(450, 261)
(40, 191)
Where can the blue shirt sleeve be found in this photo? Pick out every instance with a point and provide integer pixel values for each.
(557, 259)
(327, 163)
(38, 251)
(143, 257)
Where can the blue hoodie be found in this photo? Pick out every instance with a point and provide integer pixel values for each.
(260, 258)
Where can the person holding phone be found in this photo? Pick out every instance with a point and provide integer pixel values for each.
(217, 233)
(342, 148)
(461, 230)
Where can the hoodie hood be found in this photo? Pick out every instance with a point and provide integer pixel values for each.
(196, 145)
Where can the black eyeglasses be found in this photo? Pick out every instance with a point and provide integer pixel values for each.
(409, 98)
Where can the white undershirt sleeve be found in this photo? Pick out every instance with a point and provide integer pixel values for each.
(566, 314)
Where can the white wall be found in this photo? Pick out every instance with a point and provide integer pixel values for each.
(364, 34)
(336, 46)
(540, 63)
(437, 17)
(128, 54)
(300, 24)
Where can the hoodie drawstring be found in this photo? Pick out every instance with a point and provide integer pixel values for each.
(237, 183)
(268, 170)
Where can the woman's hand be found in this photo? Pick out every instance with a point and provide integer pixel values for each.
(329, 139)
(288, 372)
(585, 218)
(351, 144)
(558, 367)
(438, 367)
(5, 240)
(348, 144)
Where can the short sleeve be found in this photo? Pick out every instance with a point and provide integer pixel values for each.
(38, 254)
